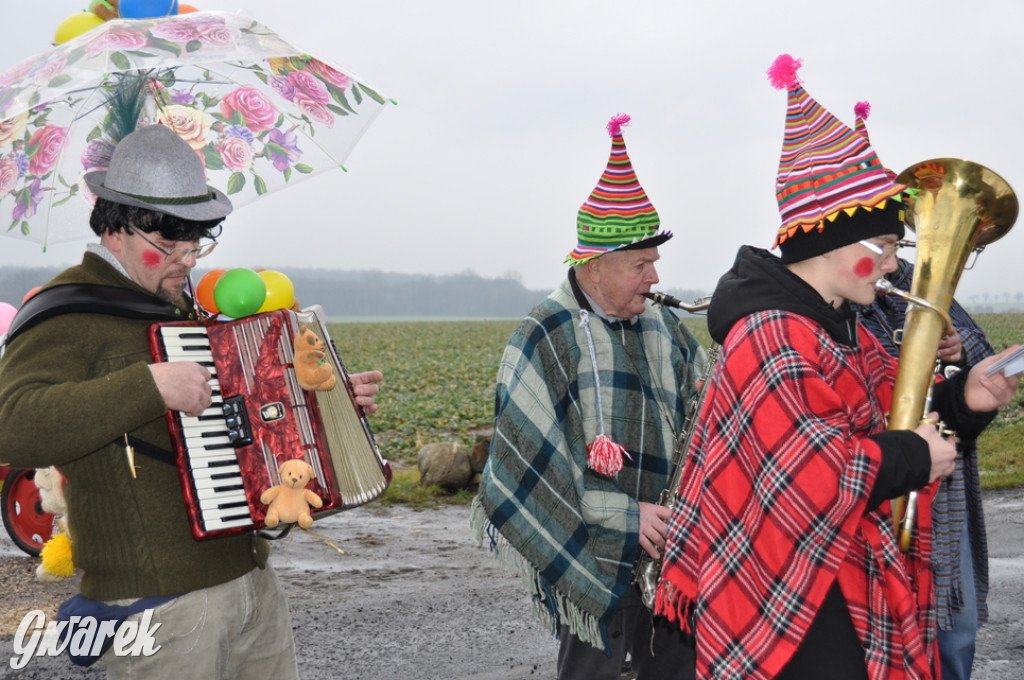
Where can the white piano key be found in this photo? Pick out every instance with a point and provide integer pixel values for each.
(214, 411)
(204, 426)
(182, 331)
(233, 498)
(213, 462)
(208, 484)
(183, 349)
(200, 445)
(206, 441)
(221, 494)
(217, 524)
(220, 468)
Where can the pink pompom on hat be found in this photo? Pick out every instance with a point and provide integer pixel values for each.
(861, 111)
(827, 171)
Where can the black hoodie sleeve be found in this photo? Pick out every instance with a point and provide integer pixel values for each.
(949, 400)
(906, 465)
(906, 462)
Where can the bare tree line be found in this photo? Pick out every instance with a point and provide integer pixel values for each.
(369, 293)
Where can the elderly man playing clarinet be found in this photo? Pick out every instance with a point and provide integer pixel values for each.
(591, 398)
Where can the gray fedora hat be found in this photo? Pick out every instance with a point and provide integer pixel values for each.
(156, 169)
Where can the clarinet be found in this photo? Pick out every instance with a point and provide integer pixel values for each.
(647, 570)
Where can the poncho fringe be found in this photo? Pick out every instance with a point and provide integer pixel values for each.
(674, 605)
(549, 607)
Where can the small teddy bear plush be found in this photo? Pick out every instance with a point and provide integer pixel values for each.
(290, 500)
(56, 557)
(105, 9)
(312, 369)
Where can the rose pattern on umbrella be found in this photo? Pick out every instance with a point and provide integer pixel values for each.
(249, 107)
(29, 149)
(237, 129)
(33, 146)
(235, 152)
(8, 175)
(192, 124)
(97, 154)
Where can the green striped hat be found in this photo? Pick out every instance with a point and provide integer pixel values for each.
(618, 214)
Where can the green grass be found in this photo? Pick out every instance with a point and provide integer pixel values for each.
(1001, 456)
(405, 489)
(1001, 445)
(438, 378)
(439, 386)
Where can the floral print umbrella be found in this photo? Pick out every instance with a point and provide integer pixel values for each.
(259, 112)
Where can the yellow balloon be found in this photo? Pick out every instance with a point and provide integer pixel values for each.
(280, 291)
(75, 25)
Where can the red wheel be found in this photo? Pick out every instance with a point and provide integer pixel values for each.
(24, 519)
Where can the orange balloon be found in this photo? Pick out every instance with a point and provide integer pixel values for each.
(186, 9)
(30, 294)
(204, 291)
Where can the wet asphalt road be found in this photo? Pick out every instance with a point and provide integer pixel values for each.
(414, 598)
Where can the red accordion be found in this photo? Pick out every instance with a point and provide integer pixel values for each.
(260, 417)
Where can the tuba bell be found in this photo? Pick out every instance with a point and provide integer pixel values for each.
(956, 207)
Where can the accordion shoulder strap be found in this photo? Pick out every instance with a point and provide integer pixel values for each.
(79, 298)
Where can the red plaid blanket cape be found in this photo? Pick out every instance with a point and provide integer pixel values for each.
(773, 508)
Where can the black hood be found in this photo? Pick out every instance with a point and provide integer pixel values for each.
(758, 281)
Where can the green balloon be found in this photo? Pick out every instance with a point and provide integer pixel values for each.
(239, 292)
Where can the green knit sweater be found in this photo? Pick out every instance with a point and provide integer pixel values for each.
(70, 388)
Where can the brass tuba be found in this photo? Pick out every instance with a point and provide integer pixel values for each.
(958, 207)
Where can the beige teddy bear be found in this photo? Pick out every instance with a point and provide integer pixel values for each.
(312, 369)
(56, 563)
(290, 500)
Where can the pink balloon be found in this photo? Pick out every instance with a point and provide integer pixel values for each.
(7, 313)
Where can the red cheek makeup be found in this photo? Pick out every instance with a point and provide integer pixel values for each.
(864, 268)
(151, 258)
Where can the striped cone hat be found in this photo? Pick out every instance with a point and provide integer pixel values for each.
(826, 169)
(617, 214)
(862, 110)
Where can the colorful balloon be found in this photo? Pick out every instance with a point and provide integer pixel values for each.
(7, 312)
(280, 291)
(146, 9)
(239, 292)
(75, 25)
(187, 9)
(204, 290)
(30, 294)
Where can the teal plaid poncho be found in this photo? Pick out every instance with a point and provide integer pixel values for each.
(571, 533)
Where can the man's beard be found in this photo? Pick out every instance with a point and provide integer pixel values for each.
(177, 293)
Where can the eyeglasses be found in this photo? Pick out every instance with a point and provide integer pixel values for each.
(178, 254)
(886, 252)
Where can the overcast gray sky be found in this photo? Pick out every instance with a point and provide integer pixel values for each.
(499, 135)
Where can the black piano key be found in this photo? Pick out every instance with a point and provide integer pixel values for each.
(215, 447)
